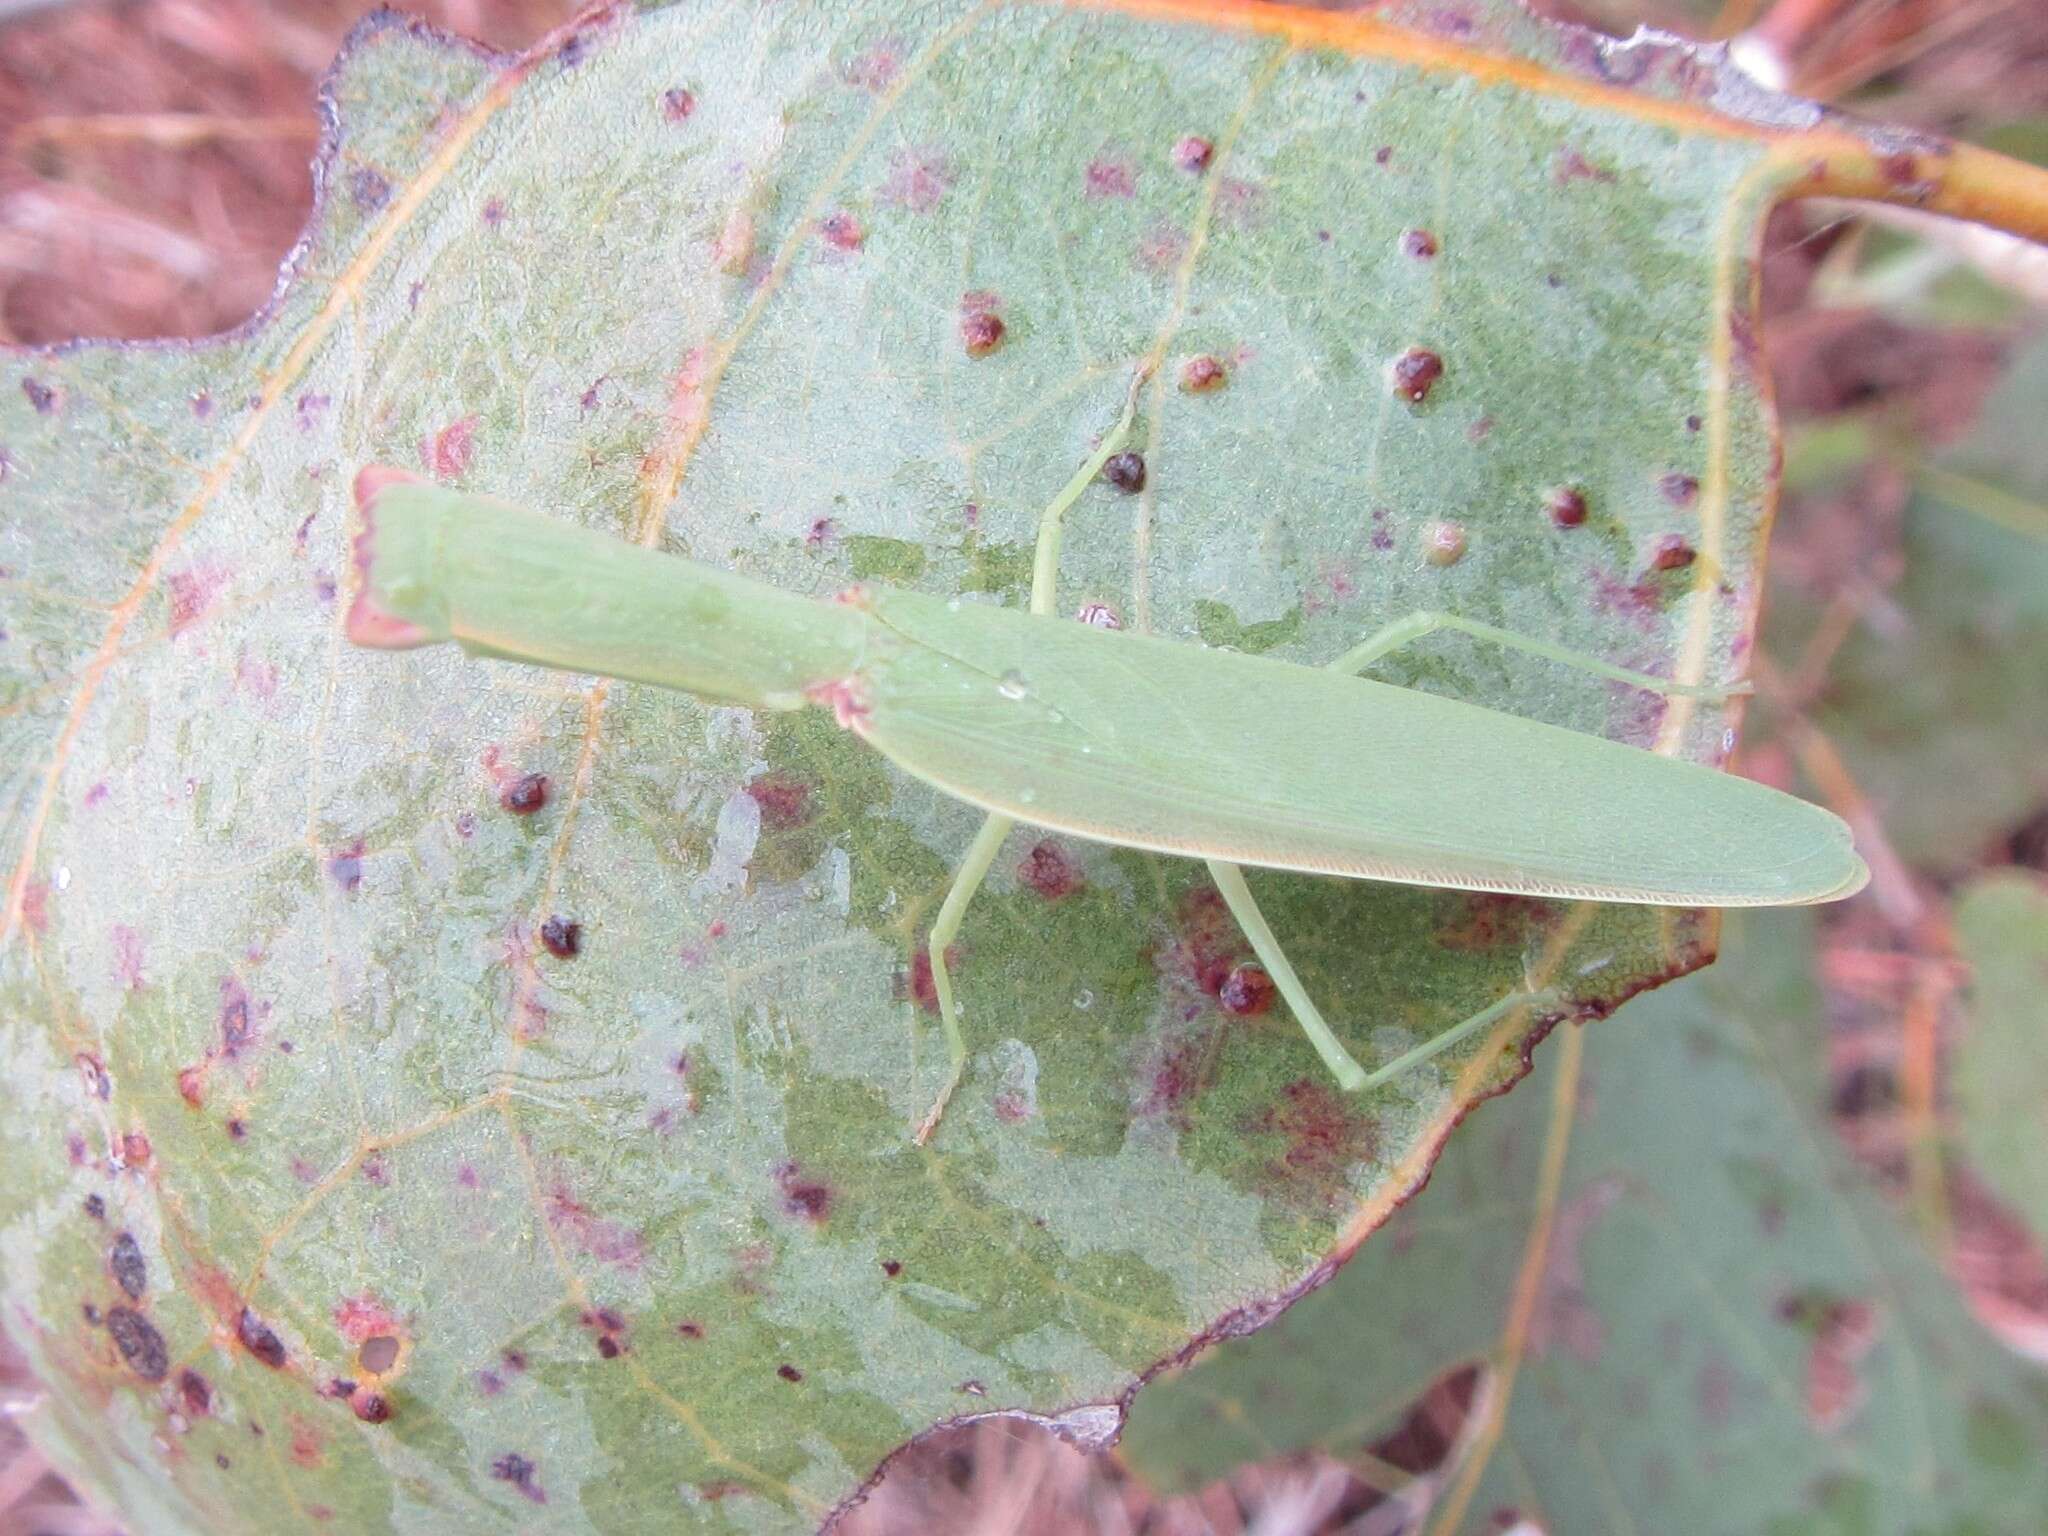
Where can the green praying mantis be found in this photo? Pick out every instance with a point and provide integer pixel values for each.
(1098, 733)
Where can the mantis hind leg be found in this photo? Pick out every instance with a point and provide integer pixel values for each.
(1416, 626)
(981, 853)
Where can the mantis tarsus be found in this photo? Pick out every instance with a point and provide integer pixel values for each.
(1093, 731)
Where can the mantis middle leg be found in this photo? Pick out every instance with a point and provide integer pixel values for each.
(988, 842)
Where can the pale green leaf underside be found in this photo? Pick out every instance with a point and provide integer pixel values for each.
(561, 287)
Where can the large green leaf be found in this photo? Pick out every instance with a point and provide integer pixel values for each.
(295, 1064)
(1707, 1323)
(2000, 1069)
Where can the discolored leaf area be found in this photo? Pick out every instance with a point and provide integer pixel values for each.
(2000, 1067)
(1705, 1321)
(504, 1083)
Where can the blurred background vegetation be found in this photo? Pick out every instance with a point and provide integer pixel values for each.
(154, 170)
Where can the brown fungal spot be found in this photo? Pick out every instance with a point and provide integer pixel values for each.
(677, 104)
(1048, 870)
(368, 189)
(1192, 153)
(1672, 554)
(1419, 243)
(1383, 155)
(1247, 991)
(256, 1337)
(690, 1329)
(1126, 471)
(1444, 543)
(1202, 375)
(142, 1348)
(1567, 507)
(609, 1347)
(561, 937)
(981, 332)
(892, 1268)
(789, 1372)
(525, 794)
(95, 1207)
(521, 1474)
(41, 397)
(1414, 373)
(237, 1025)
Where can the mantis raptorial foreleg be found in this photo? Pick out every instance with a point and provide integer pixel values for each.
(981, 853)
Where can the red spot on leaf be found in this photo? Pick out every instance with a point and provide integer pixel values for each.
(678, 104)
(1192, 153)
(193, 593)
(308, 1446)
(1419, 243)
(1109, 176)
(917, 180)
(257, 1337)
(602, 1238)
(1247, 991)
(875, 70)
(1414, 373)
(1569, 166)
(447, 453)
(842, 231)
(521, 1474)
(806, 1197)
(1048, 870)
(1679, 490)
(362, 1317)
(1567, 507)
(785, 802)
(1324, 1137)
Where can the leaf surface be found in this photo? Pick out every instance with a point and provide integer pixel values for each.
(2000, 1066)
(1706, 1286)
(497, 1088)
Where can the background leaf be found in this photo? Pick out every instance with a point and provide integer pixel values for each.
(1715, 1289)
(336, 1189)
(2000, 1066)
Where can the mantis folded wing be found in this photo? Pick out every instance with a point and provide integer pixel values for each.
(1122, 738)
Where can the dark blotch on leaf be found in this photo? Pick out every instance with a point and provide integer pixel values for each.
(371, 1407)
(142, 1347)
(1048, 871)
(125, 1262)
(1202, 375)
(95, 1207)
(519, 1472)
(608, 1346)
(981, 332)
(257, 1338)
(561, 937)
(1247, 991)
(40, 395)
(806, 1197)
(689, 1329)
(1673, 554)
(1126, 471)
(1415, 373)
(789, 1373)
(677, 105)
(525, 794)
(1419, 243)
(1193, 153)
(892, 1268)
(194, 1392)
(1567, 507)
(368, 190)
